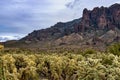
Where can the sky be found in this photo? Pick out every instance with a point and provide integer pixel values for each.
(20, 17)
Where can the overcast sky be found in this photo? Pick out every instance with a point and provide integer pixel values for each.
(20, 17)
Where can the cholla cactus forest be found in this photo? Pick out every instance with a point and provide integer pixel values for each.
(20, 64)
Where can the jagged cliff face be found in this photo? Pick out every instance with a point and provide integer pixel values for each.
(96, 27)
(100, 18)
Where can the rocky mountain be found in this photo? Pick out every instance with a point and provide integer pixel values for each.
(54, 32)
(101, 18)
(97, 27)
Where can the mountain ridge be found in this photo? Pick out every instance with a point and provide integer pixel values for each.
(87, 30)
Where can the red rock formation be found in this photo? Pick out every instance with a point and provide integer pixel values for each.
(102, 22)
(101, 18)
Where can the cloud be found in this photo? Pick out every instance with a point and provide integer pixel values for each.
(90, 3)
(6, 38)
(29, 14)
(79, 5)
(10, 36)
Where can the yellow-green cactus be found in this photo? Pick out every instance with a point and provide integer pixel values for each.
(1, 47)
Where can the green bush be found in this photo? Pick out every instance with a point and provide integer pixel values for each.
(114, 49)
(88, 52)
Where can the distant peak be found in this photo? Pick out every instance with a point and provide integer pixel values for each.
(115, 5)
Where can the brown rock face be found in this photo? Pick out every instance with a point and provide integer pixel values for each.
(86, 19)
(102, 22)
(101, 18)
(115, 11)
(72, 38)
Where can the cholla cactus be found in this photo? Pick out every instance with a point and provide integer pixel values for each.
(115, 49)
(66, 66)
(1, 47)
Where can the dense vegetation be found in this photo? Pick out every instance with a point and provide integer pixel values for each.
(88, 65)
(1, 47)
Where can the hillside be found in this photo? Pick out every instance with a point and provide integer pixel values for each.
(96, 28)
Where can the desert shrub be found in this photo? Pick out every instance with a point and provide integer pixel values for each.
(88, 51)
(108, 59)
(114, 49)
(29, 73)
(2, 77)
(20, 62)
(92, 65)
(1, 47)
(10, 71)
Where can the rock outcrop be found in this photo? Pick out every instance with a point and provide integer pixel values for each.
(67, 40)
(100, 18)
